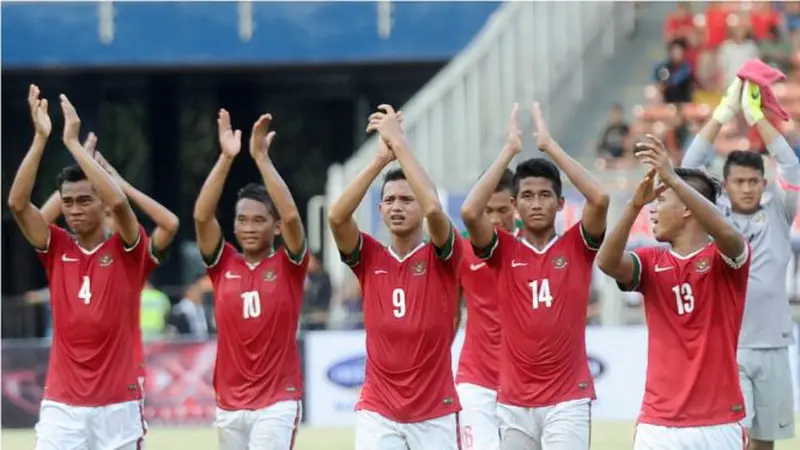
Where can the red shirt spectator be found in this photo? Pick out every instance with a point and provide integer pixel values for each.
(716, 25)
(680, 24)
(762, 18)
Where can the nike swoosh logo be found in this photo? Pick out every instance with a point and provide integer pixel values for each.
(231, 276)
(663, 269)
(380, 272)
(66, 258)
(783, 425)
(474, 267)
(518, 264)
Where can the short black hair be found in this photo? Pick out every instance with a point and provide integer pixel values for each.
(506, 182)
(707, 186)
(538, 168)
(743, 158)
(392, 175)
(70, 174)
(258, 192)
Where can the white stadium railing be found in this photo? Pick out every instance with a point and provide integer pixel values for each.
(527, 50)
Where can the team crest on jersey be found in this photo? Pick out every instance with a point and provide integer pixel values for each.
(418, 268)
(270, 276)
(559, 262)
(702, 265)
(760, 217)
(105, 260)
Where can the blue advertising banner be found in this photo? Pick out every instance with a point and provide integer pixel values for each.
(101, 34)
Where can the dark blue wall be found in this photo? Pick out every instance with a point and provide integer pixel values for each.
(174, 34)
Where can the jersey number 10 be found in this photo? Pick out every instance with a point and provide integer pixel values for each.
(251, 304)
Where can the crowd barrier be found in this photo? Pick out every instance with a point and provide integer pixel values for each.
(179, 389)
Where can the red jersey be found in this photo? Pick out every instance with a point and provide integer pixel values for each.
(95, 299)
(479, 363)
(693, 307)
(148, 265)
(257, 309)
(409, 318)
(543, 299)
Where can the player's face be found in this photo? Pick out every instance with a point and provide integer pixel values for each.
(255, 228)
(744, 186)
(400, 209)
(81, 206)
(500, 210)
(538, 203)
(668, 215)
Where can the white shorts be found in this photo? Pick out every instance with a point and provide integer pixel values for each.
(563, 426)
(766, 379)
(480, 427)
(729, 436)
(119, 426)
(270, 428)
(375, 432)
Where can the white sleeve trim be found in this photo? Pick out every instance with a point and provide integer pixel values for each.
(302, 255)
(47, 244)
(135, 244)
(494, 247)
(738, 262)
(452, 244)
(152, 256)
(585, 239)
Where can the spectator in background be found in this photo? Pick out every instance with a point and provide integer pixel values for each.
(791, 16)
(189, 316)
(714, 22)
(680, 27)
(763, 18)
(674, 76)
(777, 51)
(736, 50)
(352, 305)
(317, 296)
(154, 312)
(614, 139)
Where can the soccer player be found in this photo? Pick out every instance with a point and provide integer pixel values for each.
(91, 395)
(408, 400)
(765, 220)
(258, 293)
(166, 227)
(694, 295)
(478, 372)
(546, 388)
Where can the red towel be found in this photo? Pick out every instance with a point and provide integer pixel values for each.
(758, 72)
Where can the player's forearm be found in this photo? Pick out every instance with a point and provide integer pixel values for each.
(107, 189)
(702, 146)
(777, 146)
(291, 224)
(612, 250)
(342, 210)
(591, 189)
(475, 204)
(52, 207)
(418, 178)
(19, 196)
(206, 206)
(708, 216)
(164, 219)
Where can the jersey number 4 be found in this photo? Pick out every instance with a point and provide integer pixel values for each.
(85, 292)
(251, 304)
(684, 298)
(540, 293)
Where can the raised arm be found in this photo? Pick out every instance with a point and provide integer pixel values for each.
(788, 164)
(340, 213)
(612, 258)
(654, 154)
(209, 233)
(597, 200)
(107, 189)
(166, 221)
(51, 209)
(481, 231)
(292, 232)
(387, 124)
(702, 146)
(28, 217)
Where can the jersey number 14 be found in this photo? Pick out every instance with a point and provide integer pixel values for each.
(540, 293)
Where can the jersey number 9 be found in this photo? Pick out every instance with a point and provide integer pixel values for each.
(399, 302)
